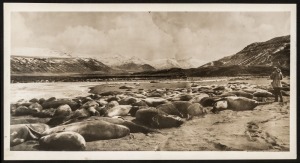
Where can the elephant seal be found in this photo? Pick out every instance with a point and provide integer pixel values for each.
(236, 104)
(195, 109)
(133, 127)
(157, 119)
(24, 110)
(240, 94)
(263, 94)
(169, 108)
(208, 101)
(153, 102)
(20, 133)
(90, 130)
(89, 104)
(182, 107)
(65, 141)
(63, 110)
(54, 103)
(119, 110)
(198, 98)
(45, 113)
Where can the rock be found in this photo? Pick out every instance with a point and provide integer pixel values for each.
(57, 102)
(63, 110)
(126, 87)
(185, 97)
(63, 141)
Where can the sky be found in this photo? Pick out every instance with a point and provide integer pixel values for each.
(205, 36)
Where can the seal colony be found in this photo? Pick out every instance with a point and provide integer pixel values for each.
(102, 115)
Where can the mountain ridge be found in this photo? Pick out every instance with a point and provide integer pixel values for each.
(274, 52)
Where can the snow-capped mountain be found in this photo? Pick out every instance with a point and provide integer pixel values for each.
(40, 52)
(187, 63)
(24, 64)
(165, 63)
(118, 60)
(127, 63)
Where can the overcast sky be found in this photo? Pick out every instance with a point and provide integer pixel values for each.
(202, 35)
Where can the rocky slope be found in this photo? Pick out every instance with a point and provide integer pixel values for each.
(274, 52)
(254, 59)
(22, 64)
(133, 67)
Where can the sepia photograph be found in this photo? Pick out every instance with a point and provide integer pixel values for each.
(149, 81)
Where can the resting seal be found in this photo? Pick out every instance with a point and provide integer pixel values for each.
(236, 104)
(20, 133)
(133, 127)
(157, 119)
(119, 110)
(90, 130)
(69, 141)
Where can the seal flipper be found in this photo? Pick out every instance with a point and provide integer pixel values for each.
(33, 134)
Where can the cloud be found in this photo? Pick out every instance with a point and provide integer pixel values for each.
(203, 35)
(20, 33)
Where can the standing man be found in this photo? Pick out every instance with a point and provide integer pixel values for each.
(276, 76)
